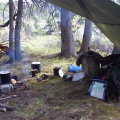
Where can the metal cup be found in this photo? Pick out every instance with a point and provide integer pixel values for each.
(33, 72)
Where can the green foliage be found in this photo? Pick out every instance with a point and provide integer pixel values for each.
(77, 22)
(4, 32)
(42, 45)
(44, 19)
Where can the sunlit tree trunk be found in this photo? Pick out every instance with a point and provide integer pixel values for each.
(17, 31)
(11, 30)
(67, 42)
(86, 43)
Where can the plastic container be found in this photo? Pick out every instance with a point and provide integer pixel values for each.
(73, 69)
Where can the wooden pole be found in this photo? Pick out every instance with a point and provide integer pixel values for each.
(8, 97)
(3, 109)
(7, 107)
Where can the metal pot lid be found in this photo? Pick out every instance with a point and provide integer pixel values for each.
(4, 72)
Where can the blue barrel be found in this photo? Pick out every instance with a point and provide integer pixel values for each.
(72, 68)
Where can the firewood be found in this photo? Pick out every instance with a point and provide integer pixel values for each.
(22, 87)
(8, 97)
(13, 81)
(3, 109)
(16, 86)
(7, 107)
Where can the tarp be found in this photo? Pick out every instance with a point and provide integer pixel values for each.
(105, 14)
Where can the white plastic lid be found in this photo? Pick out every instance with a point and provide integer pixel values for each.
(61, 73)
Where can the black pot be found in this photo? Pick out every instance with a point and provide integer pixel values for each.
(56, 70)
(5, 77)
(36, 65)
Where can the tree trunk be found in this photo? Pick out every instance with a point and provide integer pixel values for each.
(17, 31)
(86, 43)
(67, 42)
(11, 29)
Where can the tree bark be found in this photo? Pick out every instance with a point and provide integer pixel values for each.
(67, 42)
(17, 31)
(86, 43)
(11, 30)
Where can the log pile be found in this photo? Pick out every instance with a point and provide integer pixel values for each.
(16, 85)
(20, 86)
(3, 107)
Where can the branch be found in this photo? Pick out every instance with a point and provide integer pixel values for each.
(8, 22)
(4, 10)
(7, 107)
(3, 109)
(8, 97)
(52, 14)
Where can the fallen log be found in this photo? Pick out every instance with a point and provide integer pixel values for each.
(8, 97)
(18, 85)
(3, 109)
(7, 107)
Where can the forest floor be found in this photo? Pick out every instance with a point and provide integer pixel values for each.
(52, 98)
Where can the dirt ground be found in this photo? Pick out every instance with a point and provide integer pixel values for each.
(56, 99)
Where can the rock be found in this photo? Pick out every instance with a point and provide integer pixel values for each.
(6, 88)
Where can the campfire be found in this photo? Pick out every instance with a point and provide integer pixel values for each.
(7, 84)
